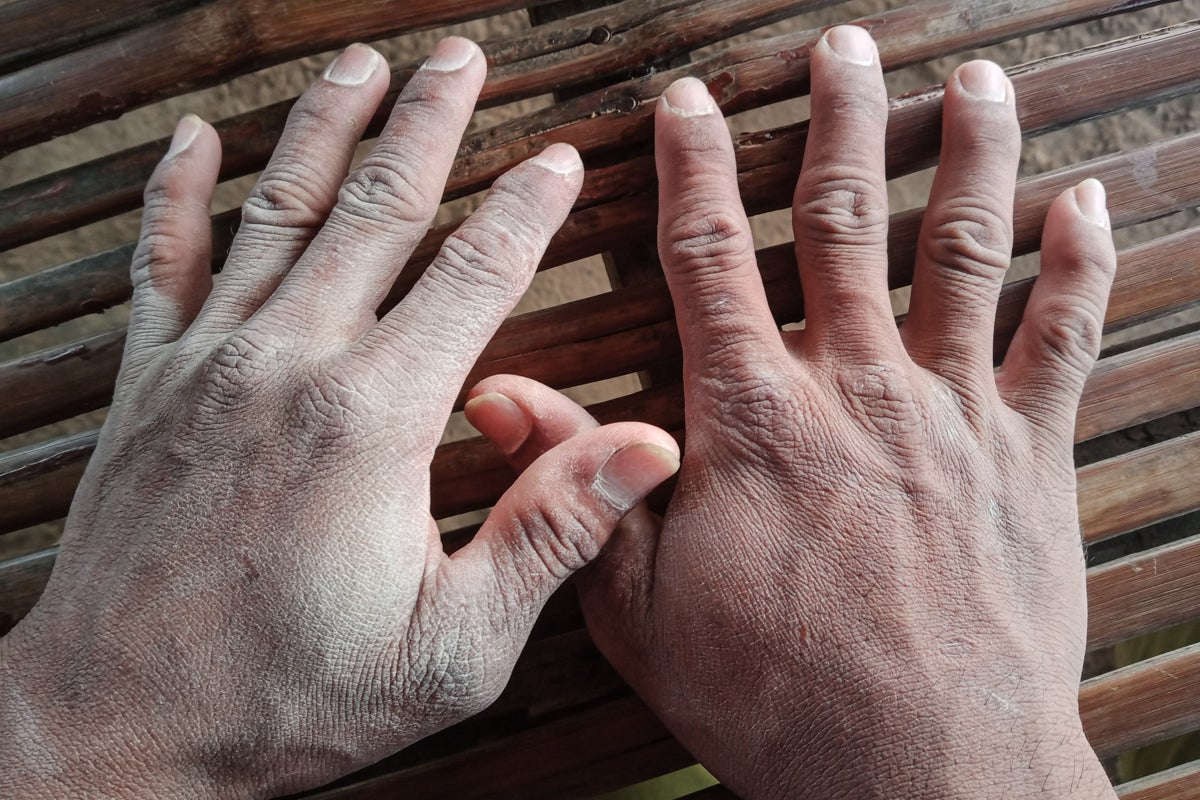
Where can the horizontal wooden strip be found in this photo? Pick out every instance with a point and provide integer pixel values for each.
(87, 285)
(619, 199)
(201, 47)
(87, 372)
(38, 483)
(33, 391)
(468, 475)
(1135, 489)
(21, 583)
(759, 73)
(550, 57)
(35, 30)
(590, 752)
(1143, 592)
(1178, 783)
(1142, 704)
(1140, 385)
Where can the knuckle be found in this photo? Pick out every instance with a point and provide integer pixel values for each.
(838, 206)
(704, 237)
(331, 413)
(283, 199)
(1070, 334)
(559, 534)
(883, 399)
(759, 408)
(238, 369)
(972, 241)
(382, 192)
(160, 255)
(495, 256)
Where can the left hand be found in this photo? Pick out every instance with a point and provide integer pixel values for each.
(251, 597)
(869, 582)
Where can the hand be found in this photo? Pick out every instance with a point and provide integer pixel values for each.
(251, 597)
(869, 582)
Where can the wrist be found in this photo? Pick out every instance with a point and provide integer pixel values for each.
(56, 741)
(1049, 759)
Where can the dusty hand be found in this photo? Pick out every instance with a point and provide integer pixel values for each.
(869, 582)
(251, 597)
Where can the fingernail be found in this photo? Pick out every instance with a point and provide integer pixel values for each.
(1092, 202)
(451, 54)
(851, 43)
(502, 421)
(354, 66)
(983, 80)
(560, 157)
(689, 97)
(632, 472)
(186, 132)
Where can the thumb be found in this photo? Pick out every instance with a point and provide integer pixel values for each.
(558, 515)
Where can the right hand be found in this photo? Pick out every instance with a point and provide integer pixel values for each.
(869, 582)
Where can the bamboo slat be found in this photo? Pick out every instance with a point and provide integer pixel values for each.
(1144, 592)
(1137, 488)
(1140, 385)
(1179, 783)
(42, 477)
(468, 475)
(201, 47)
(590, 752)
(21, 583)
(549, 57)
(1143, 703)
(35, 30)
(762, 72)
(619, 199)
(88, 372)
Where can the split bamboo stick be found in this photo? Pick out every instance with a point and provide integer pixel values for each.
(1135, 489)
(599, 337)
(1142, 704)
(757, 74)
(201, 47)
(1143, 592)
(35, 30)
(619, 199)
(568, 52)
(36, 484)
(1140, 385)
(22, 581)
(1178, 783)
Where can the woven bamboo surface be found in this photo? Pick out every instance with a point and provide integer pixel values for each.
(567, 726)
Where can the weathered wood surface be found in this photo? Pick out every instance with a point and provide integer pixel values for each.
(567, 726)
(1144, 703)
(35, 30)
(200, 47)
(1143, 486)
(36, 484)
(619, 200)
(582, 48)
(1144, 592)
(1180, 783)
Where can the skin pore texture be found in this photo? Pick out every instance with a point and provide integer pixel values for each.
(868, 583)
